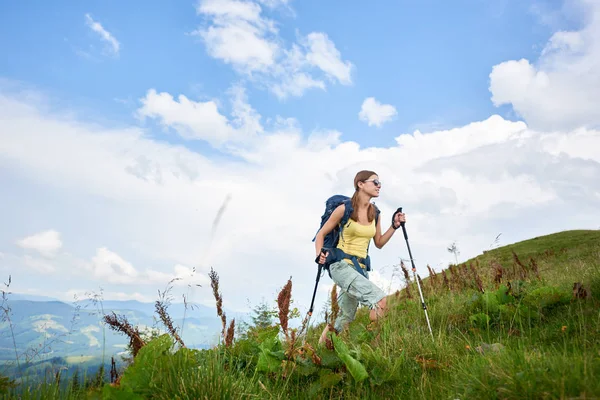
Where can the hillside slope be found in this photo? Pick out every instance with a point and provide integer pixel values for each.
(566, 246)
(561, 258)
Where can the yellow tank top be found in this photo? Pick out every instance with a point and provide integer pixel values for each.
(355, 237)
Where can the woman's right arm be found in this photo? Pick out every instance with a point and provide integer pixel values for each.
(332, 222)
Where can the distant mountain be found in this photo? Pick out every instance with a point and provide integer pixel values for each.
(176, 310)
(30, 297)
(44, 329)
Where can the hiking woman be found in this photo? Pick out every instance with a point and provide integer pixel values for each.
(356, 234)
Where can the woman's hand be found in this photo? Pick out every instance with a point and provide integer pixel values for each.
(398, 219)
(322, 257)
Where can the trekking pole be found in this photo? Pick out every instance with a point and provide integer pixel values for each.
(414, 269)
(312, 303)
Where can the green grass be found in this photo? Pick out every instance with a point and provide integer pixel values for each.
(525, 337)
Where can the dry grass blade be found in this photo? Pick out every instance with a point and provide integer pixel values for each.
(421, 284)
(406, 279)
(579, 291)
(304, 325)
(498, 272)
(534, 268)
(315, 357)
(523, 272)
(464, 272)
(457, 282)
(283, 302)
(446, 281)
(477, 278)
(121, 324)
(433, 279)
(214, 283)
(335, 307)
(161, 310)
(230, 333)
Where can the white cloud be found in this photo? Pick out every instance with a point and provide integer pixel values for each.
(274, 3)
(81, 294)
(323, 54)
(293, 74)
(110, 267)
(560, 90)
(39, 265)
(107, 266)
(466, 184)
(181, 276)
(245, 118)
(47, 243)
(238, 34)
(295, 85)
(202, 120)
(114, 45)
(375, 113)
(192, 120)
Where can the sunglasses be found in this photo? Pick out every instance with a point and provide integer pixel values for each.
(376, 182)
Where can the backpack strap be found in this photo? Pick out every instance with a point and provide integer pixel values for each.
(356, 261)
(345, 218)
(377, 212)
(336, 254)
(347, 212)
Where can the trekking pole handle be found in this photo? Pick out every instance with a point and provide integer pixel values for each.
(399, 210)
(324, 252)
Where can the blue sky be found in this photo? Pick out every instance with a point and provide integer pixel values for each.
(431, 60)
(125, 126)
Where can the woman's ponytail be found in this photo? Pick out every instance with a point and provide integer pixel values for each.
(360, 177)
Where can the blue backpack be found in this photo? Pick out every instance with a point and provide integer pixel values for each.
(332, 239)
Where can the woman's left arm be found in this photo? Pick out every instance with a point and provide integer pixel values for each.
(381, 240)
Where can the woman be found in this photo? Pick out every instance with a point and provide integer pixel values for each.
(355, 237)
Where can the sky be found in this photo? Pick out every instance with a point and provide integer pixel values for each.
(146, 141)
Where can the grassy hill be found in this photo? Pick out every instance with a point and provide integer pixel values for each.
(519, 321)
